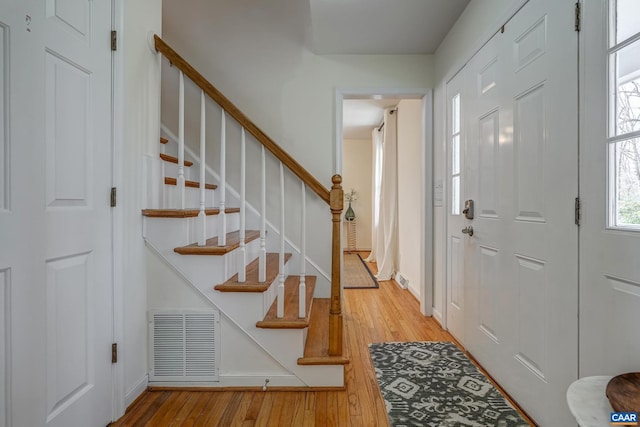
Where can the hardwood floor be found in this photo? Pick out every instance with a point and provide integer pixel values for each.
(370, 315)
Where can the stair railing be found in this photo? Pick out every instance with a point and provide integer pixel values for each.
(334, 198)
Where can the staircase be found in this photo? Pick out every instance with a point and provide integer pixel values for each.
(225, 252)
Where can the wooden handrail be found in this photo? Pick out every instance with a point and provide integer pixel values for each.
(241, 118)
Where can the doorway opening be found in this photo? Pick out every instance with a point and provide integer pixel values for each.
(384, 153)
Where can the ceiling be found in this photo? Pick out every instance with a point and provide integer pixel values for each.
(378, 27)
(381, 26)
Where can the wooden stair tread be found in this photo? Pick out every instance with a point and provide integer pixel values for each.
(211, 247)
(316, 349)
(163, 140)
(187, 183)
(291, 319)
(173, 159)
(252, 284)
(184, 213)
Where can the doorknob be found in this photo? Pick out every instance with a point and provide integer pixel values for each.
(468, 230)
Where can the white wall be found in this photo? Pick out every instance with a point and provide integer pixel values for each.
(357, 174)
(410, 192)
(478, 22)
(254, 52)
(141, 130)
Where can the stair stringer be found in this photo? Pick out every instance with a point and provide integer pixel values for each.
(244, 310)
(323, 281)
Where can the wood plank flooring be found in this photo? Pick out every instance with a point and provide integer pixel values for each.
(370, 315)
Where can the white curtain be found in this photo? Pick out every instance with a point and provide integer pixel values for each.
(386, 233)
(376, 183)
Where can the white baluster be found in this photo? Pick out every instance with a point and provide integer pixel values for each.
(280, 306)
(222, 237)
(202, 217)
(302, 288)
(262, 258)
(180, 178)
(242, 272)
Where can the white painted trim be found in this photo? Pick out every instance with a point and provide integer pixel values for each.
(427, 272)
(171, 137)
(119, 395)
(412, 292)
(437, 315)
(231, 380)
(7, 335)
(427, 214)
(139, 388)
(445, 217)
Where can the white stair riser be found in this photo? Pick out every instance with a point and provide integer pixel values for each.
(169, 233)
(171, 170)
(171, 197)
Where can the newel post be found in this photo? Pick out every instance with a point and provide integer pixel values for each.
(336, 204)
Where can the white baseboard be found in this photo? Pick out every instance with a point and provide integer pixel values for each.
(134, 392)
(414, 292)
(239, 381)
(437, 315)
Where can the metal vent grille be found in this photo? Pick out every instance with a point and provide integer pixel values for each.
(184, 346)
(402, 280)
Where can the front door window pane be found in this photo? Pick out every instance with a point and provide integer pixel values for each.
(627, 184)
(627, 88)
(624, 116)
(627, 22)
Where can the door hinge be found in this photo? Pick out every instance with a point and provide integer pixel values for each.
(113, 197)
(578, 212)
(578, 17)
(114, 40)
(114, 352)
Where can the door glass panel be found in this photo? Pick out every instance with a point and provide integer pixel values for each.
(455, 114)
(627, 22)
(626, 165)
(455, 195)
(626, 63)
(455, 155)
(624, 117)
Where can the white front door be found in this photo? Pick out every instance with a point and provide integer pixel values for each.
(456, 134)
(55, 218)
(521, 273)
(610, 188)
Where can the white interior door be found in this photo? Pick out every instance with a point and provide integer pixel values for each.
(79, 301)
(456, 134)
(610, 188)
(521, 273)
(56, 315)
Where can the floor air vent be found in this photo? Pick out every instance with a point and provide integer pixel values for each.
(404, 283)
(185, 346)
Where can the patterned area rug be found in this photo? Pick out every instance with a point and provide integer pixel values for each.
(435, 384)
(357, 274)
